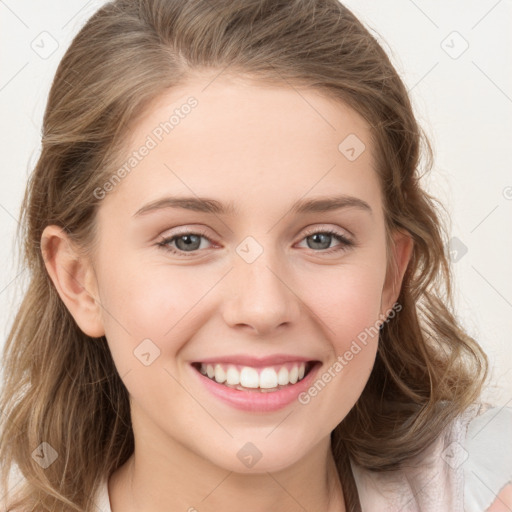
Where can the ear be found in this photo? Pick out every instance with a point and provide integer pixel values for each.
(74, 279)
(401, 252)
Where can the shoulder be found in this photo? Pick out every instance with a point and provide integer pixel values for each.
(467, 469)
(503, 502)
(486, 459)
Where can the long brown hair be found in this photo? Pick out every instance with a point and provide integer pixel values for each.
(61, 387)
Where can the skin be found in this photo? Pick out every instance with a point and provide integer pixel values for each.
(503, 502)
(263, 148)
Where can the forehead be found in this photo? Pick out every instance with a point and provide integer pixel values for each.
(236, 139)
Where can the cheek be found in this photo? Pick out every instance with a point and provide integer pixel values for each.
(348, 304)
(147, 301)
(347, 300)
(148, 313)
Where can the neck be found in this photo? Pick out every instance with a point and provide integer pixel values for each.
(152, 481)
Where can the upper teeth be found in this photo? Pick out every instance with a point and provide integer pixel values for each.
(249, 377)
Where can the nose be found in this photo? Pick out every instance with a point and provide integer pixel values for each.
(261, 297)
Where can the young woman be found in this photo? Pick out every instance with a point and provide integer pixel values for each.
(240, 295)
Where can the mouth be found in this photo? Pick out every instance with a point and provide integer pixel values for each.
(267, 379)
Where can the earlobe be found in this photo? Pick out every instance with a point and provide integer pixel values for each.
(74, 280)
(401, 253)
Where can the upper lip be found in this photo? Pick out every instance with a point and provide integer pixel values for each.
(245, 360)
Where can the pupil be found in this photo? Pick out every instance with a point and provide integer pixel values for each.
(324, 244)
(189, 241)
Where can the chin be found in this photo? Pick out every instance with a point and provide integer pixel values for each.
(261, 455)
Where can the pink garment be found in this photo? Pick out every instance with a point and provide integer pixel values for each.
(462, 471)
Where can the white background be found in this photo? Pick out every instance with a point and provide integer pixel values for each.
(464, 103)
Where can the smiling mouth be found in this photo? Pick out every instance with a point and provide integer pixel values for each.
(247, 378)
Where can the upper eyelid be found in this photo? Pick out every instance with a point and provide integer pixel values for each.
(308, 231)
(321, 229)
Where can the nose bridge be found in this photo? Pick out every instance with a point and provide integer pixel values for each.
(261, 297)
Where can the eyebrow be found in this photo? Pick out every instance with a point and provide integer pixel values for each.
(208, 205)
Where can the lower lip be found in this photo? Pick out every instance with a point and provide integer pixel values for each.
(255, 400)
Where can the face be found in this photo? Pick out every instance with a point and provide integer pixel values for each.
(266, 284)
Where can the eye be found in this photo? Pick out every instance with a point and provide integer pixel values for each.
(188, 242)
(321, 239)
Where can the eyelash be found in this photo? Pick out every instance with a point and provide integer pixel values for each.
(345, 243)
